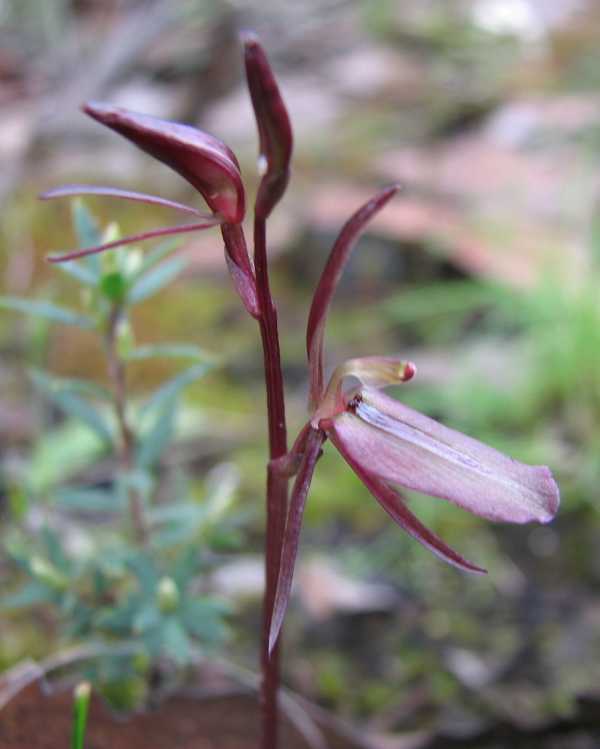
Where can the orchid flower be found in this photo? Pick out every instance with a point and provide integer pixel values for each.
(201, 159)
(388, 444)
(384, 442)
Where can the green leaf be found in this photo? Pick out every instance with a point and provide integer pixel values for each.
(76, 269)
(175, 524)
(89, 500)
(59, 454)
(88, 235)
(160, 252)
(55, 551)
(118, 620)
(172, 387)
(155, 279)
(182, 512)
(153, 442)
(144, 569)
(30, 594)
(146, 618)
(72, 404)
(204, 618)
(169, 350)
(85, 388)
(86, 227)
(185, 566)
(46, 310)
(174, 640)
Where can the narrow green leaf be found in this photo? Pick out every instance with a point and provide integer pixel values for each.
(170, 351)
(146, 618)
(86, 227)
(154, 441)
(29, 595)
(46, 310)
(72, 404)
(59, 454)
(88, 235)
(155, 280)
(175, 641)
(88, 500)
(173, 525)
(173, 387)
(181, 512)
(185, 566)
(54, 549)
(143, 568)
(76, 269)
(85, 388)
(204, 618)
(154, 256)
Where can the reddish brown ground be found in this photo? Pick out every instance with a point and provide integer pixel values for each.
(34, 720)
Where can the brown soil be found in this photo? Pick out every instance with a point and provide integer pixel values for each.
(34, 720)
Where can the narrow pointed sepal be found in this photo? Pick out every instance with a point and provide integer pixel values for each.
(328, 283)
(274, 128)
(71, 191)
(291, 537)
(401, 446)
(203, 160)
(165, 231)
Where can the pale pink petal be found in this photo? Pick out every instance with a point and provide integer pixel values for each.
(394, 505)
(403, 447)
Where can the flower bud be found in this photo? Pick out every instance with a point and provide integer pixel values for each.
(167, 595)
(274, 129)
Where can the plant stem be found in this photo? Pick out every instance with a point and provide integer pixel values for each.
(117, 374)
(277, 484)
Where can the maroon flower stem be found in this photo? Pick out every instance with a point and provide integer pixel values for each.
(277, 482)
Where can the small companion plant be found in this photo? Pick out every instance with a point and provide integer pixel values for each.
(385, 443)
(118, 556)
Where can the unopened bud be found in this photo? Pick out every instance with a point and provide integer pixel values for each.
(274, 129)
(167, 595)
(82, 691)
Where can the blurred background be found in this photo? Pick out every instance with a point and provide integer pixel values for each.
(485, 271)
